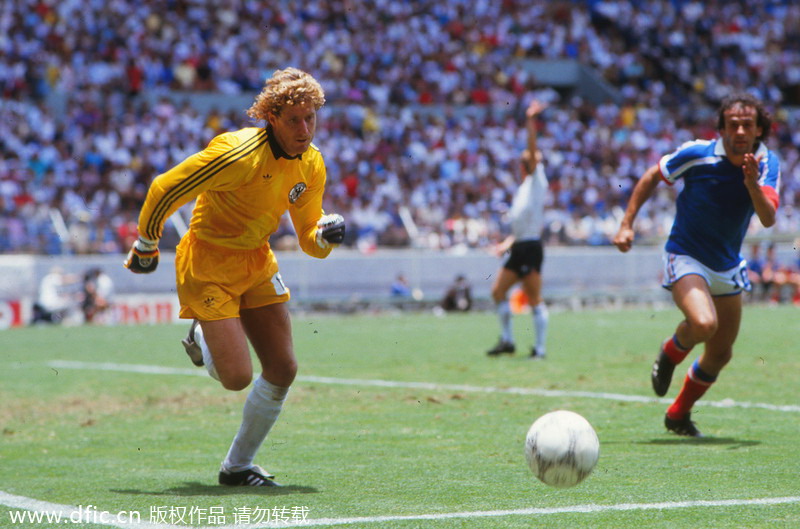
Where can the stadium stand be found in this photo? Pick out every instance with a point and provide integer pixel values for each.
(422, 125)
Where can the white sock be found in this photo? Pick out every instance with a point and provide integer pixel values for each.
(261, 410)
(207, 359)
(540, 319)
(504, 314)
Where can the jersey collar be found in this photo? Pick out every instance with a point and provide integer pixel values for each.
(277, 150)
(719, 149)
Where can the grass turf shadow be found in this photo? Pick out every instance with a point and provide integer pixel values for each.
(196, 488)
(701, 441)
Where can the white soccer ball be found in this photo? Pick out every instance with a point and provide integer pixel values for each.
(562, 448)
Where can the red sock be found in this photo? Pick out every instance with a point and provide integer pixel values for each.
(695, 385)
(674, 351)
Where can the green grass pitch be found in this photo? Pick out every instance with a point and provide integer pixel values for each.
(401, 421)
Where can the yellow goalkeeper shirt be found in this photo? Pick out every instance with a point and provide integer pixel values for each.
(243, 182)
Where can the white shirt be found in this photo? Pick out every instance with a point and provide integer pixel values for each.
(53, 293)
(527, 208)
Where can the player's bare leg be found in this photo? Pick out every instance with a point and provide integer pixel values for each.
(230, 354)
(703, 372)
(503, 282)
(532, 286)
(269, 330)
(692, 297)
(719, 348)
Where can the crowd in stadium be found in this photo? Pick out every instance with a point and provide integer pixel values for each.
(73, 177)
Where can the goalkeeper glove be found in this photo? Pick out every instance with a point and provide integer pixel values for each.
(330, 230)
(143, 257)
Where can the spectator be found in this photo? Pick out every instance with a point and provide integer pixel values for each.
(458, 297)
(399, 288)
(776, 276)
(444, 165)
(755, 273)
(57, 297)
(98, 290)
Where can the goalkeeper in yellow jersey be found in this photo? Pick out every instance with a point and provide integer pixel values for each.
(227, 276)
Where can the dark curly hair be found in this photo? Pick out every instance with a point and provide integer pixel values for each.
(763, 117)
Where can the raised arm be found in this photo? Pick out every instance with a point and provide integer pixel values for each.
(643, 190)
(765, 198)
(534, 109)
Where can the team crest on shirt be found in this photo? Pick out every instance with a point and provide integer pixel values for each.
(296, 191)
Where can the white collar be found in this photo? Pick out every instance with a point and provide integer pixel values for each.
(719, 149)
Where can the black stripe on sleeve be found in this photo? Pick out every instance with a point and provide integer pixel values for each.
(197, 178)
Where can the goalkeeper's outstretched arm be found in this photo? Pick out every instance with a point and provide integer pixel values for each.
(168, 192)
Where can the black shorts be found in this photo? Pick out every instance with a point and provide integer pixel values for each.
(525, 257)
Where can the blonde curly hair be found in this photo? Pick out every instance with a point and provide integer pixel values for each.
(286, 87)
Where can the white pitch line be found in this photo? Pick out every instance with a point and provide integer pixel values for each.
(72, 515)
(30, 504)
(429, 386)
(68, 511)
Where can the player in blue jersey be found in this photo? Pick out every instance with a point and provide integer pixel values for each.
(725, 181)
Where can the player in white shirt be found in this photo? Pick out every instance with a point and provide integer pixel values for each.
(524, 245)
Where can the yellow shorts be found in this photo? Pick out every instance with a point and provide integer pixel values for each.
(215, 283)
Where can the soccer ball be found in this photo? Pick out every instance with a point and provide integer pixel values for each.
(561, 448)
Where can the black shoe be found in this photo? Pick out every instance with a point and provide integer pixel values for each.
(192, 347)
(661, 376)
(683, 426)
(536, 355)
(252, 477)
(502, 348)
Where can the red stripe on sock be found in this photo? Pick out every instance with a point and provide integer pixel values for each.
(675, 353)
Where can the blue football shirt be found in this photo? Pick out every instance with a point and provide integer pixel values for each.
(713, 210)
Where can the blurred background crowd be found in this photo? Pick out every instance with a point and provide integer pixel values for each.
(423, 125)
